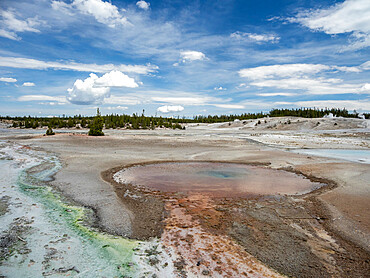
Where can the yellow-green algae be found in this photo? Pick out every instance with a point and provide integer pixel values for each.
(117, 250)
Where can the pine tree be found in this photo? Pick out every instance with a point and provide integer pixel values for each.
(96, 127)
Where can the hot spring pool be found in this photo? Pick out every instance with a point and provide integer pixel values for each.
(216, 179)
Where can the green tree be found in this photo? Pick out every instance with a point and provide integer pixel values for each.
(50, 131)
(96, 127)
(83, 122)
(71, 123)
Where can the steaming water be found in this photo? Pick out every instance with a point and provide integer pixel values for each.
(51, 237)
(218, 179)
(361, 156)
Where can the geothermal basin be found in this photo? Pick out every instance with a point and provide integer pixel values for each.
(216, 179)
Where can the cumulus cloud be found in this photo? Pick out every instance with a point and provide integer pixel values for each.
(350, 16)
(25, 63)
(28, 84)
(95, 89)
(170, 108)
(12, 25)
(115, 79)
(84, 92)
(143, 5)
(8, 79)
(103, 12)
(192, 56)
(255, 37)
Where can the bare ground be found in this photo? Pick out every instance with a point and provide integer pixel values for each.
(323, 234)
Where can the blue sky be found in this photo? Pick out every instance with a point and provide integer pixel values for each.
(182, 57)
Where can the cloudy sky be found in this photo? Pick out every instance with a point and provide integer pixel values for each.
(176, 57)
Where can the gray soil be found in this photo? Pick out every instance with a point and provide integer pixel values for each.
(12, 240)
(148, 210)
(4, 204)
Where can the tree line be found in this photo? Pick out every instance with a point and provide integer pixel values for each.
(136, 121)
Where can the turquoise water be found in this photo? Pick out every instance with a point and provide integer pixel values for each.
(360, 156)
(222, 174)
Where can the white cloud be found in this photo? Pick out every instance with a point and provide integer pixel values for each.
(242, 85)
(8, 79)
(61, 6)
(184, 100)
(350, 16)
(124, 100)
(365, 66)
(170, 108)
(119, 107)
(85, 92)
(348, 104)
(115, 79)
(313, 86)
(103, 12)
(276, 94)
(26, 63)
(28, 84)
(365, 87)
(301, 77)
(255, 37)
(192, 56)
(196, 100)
(59, 99)
(9, 35)
(143, 5)
(11, 25)
(346, 69)
(286, 70)
(94, 89)
(229, 106)
(219, 88)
